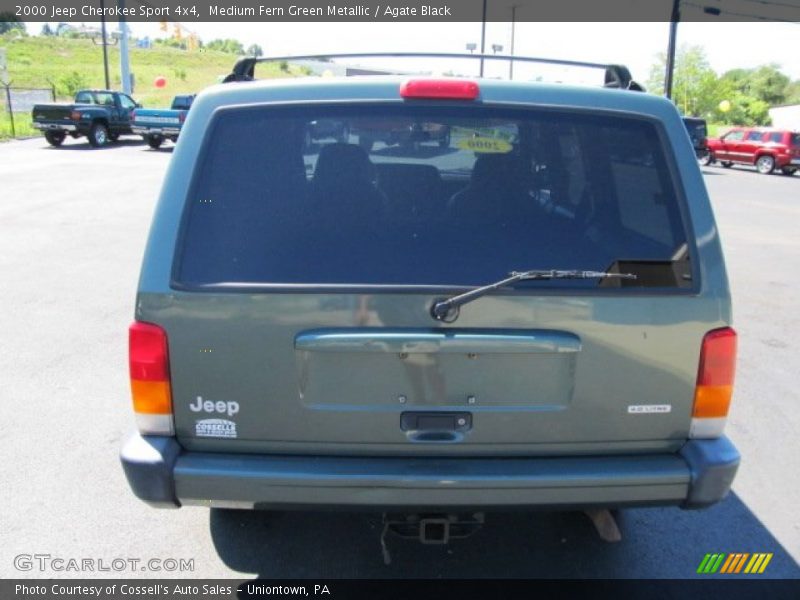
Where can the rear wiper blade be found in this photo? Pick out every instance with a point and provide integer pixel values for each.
(447, 309)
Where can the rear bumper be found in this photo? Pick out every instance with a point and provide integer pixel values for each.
(163, 475)
(146, 130)
(54, 126)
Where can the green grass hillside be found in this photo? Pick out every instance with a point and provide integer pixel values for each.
(67, 64)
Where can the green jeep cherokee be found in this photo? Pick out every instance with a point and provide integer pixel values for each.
(533, 314)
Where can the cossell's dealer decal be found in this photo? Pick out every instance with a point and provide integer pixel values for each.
(216, 428)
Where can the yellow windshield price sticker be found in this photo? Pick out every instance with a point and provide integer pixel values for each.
(485, 145)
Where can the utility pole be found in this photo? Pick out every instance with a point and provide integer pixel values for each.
(105, 42)
(673, 34)
(513, 27)
(483, 35)
(123, 51)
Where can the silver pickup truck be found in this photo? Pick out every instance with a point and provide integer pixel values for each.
(535, 314)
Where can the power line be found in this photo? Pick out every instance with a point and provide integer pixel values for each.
(770, 3)
(743, 15)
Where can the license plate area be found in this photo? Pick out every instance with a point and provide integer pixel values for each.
(379, 370)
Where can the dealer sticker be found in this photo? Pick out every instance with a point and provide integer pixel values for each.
(485, 145)
(216, 428)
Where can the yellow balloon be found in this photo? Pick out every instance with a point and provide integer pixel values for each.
(725, 106)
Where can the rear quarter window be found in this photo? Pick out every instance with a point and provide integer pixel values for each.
(775, 137)
(428, 195)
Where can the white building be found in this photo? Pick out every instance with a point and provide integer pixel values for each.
(786, 117)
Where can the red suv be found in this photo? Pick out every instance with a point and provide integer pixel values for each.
(767, 149)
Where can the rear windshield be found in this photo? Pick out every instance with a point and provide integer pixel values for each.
(696, 129)
(420, 195)
(95, 98)
(182, 102)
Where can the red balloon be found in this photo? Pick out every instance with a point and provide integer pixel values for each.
(160, 81)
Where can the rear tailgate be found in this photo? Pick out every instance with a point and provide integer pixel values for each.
(53, 112)
(294, 374)
(157, 118)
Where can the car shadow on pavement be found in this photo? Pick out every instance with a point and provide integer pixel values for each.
(82, 144)
(656, 543)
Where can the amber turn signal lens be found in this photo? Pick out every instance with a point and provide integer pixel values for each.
(712, 401)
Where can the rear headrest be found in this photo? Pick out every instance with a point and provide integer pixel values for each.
(496, 169)
(342, 164)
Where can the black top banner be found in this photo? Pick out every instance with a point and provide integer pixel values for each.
(444, 11)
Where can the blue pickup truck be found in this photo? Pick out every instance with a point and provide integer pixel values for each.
(158, 124)
(100, 115)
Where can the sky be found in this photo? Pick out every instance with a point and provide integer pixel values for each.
(728, 45)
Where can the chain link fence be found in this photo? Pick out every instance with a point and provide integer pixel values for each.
(16, 104)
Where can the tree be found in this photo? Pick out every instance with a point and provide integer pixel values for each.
(698, 91)
(769, 84)
(765, 83)
(793, 92)
(695, 84)
(9, 22)
(255, 50)
(46, 31)
(229, 45)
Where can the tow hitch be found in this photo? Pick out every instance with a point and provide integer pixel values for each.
(436, 528)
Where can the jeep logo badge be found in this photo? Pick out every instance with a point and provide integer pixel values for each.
(228, 408)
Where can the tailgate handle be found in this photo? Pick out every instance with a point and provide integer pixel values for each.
(435, 427)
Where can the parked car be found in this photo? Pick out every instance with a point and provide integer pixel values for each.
(698, 133)
(158, 124)
(100, 115)
(766, 149)
(539, 317)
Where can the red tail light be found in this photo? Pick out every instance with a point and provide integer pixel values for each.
(150, 382)
(181, 117)
(133, 115)
(714, 389)
(75, 115)
(445, 89)
(718, 358)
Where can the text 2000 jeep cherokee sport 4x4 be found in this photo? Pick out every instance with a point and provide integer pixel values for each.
(534, 315)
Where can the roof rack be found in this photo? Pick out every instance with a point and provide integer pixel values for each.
(616, 76)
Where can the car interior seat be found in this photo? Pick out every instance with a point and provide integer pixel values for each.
(497, 190)
(414, 191)
(343, 185)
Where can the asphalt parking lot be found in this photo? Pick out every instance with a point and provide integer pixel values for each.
(73, 223)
